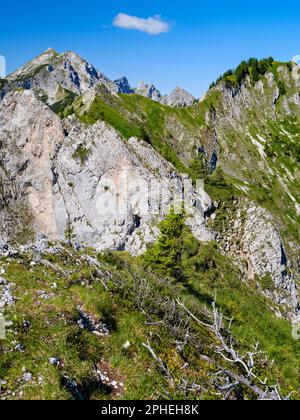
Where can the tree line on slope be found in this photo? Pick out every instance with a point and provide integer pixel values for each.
(253, 68)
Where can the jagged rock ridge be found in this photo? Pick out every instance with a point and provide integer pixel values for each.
(123, 86)
(55, 172)
(54, 76)
(149, 91)
(61, 173)
(71, 147)
(179, 97)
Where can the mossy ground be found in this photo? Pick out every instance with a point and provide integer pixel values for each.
(73, 284)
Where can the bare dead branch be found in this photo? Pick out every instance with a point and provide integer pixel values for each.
(159, 362)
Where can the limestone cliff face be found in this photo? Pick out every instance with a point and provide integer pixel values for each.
(254, 243)
(254, 132)
(177, 98)
(90, 184)
(246, 119)
(30, 134)
(81, 183)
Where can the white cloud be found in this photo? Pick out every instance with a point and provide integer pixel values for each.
(153, 25)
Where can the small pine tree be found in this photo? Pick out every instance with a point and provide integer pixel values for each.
(255, 71)
(290, 66)
(242, 72)
(227, 74)
(165, 256)
(282, 89)
(199, 167)
(264, 66)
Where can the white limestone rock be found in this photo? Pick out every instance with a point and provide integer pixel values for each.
(255, 245)
(53, 76)
(179, 98)
(149, 91)
(81, 183)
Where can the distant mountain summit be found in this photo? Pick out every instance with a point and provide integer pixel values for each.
(123, 85)
(149, 91)
(54, 77)
(179, 97)
(42, 60)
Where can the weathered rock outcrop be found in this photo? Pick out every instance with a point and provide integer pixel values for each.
(123, 85)
(255, 245)
(149, 91)
(179, 97)
(54, 76)
(80, 183)
(85, 183)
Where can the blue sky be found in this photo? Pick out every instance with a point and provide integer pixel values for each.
(205, 38)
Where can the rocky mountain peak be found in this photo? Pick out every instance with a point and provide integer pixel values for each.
(123, 85)
(179, 97)
(50, 52)
(149, 91)
(55, 76)
(90, 170)
(41, 60)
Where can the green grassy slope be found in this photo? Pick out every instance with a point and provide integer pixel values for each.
(257, 144)
(138, 306)
(173, 132)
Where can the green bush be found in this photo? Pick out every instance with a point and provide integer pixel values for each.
(267, 283)
(81, 153)
(2, 83)
(165, 256)
(282, 88)
(199, 167)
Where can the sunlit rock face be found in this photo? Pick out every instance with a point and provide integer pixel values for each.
(69, 179)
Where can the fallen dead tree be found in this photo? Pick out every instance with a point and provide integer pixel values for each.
(227, 381)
